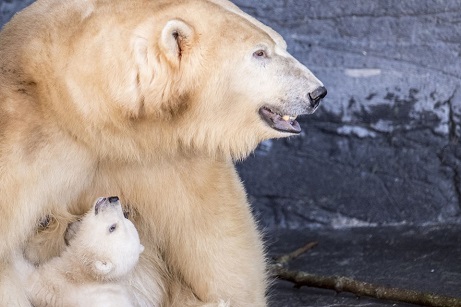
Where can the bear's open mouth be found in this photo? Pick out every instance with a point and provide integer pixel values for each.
(283, 123)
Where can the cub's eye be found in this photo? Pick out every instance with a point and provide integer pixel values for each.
(260, 54)
(112, 227)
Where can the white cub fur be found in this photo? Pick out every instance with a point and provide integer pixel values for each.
(91, 271)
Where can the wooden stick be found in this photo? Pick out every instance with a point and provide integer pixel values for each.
(359, 288)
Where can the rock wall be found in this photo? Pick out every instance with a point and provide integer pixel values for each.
(9, 7)
(384, 148)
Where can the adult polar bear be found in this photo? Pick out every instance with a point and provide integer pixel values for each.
(152, 101)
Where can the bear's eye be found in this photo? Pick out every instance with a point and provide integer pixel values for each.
(112, 227)
(260, 54)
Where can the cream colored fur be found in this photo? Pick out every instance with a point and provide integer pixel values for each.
(151, 101)
(93, 270)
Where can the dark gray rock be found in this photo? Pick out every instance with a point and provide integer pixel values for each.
(424, 259)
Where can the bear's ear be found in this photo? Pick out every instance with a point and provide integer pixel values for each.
(103, 267)
(176, 39)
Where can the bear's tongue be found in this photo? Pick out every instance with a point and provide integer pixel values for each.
(278, 122)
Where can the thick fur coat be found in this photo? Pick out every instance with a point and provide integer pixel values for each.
(151, 101)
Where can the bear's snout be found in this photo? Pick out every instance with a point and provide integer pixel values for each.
(316, 95)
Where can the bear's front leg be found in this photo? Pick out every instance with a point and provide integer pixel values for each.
(212, 243)
(219, 255)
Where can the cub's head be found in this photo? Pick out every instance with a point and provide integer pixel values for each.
(109, 241)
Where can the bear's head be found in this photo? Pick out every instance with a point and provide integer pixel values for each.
(107, 242)
(143, 77)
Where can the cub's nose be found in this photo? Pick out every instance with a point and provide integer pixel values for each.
(113, 199)
(317, 95)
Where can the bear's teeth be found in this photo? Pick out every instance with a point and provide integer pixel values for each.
(288, 118)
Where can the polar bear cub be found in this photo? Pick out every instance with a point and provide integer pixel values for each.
(91, 271)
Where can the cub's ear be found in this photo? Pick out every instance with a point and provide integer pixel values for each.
(176, 39)
(103, 267)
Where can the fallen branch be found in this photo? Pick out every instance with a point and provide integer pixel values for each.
(284, 259)
(359, 288)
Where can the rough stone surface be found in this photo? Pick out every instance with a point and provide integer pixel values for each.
(424, 259)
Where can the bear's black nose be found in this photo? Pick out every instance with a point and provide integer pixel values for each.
(317, 95)
(113, 199)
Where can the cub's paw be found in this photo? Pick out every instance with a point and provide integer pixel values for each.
(48, 240)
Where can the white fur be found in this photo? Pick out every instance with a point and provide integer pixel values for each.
(92, 271)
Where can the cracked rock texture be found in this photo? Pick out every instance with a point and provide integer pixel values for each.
(384, 146)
